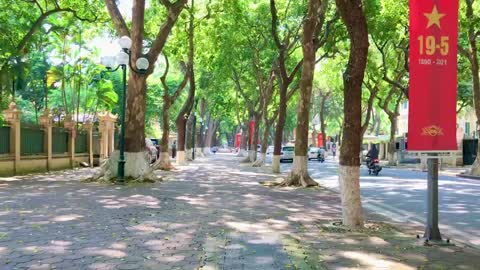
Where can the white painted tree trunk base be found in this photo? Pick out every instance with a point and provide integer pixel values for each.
(475, 170)
(242, 153)
(250, 157)
(164, 162)
(276, 164)
(188, 155)
(206, 152)
(349, 181)
(181, 160)
(299, 175)
(261, 161)
(199, 153)
(137, 168)
(252, 154)
(391, 159)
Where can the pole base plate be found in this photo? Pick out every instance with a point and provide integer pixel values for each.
(423, 241)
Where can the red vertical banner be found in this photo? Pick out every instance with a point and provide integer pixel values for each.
(320, 140)
(433, 75)
(238, 140)
(252, 129)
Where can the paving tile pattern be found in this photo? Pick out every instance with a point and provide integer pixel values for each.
(209, 216)
(212, 214)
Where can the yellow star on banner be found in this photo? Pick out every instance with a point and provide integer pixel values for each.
(434, 17)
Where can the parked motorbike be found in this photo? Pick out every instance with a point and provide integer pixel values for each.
(373, 166)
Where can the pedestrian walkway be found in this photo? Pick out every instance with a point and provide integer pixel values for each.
(212, 214)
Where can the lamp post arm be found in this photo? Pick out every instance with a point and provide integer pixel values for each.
(111, 70)
(141, 72)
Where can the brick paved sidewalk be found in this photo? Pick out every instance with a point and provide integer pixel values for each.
(212, 214)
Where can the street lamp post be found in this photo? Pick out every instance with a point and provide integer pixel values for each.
(123, 59)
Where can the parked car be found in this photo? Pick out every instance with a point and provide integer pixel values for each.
(316, 152)
(151, 149)
(259, 148)
(288, 152)
(270, 150)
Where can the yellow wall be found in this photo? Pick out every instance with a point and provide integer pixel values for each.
(59, 163)
(36, 164)
(6, 167)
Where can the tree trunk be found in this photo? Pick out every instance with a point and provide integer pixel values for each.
(392, 144)
(368, 115)
(200, 145)
(299, 175)
(213, 136)
(279, 128)
(209, 135)
(164, 163)
(188, 138)
(473, 57)
(188, 106)
(135, 114)
(374, 123)
(181, 124)
(254, 143)
(263, 151)
(137, 162)
(36, 113)
(353, 16)
(315, 111)
(379, 123)
(323, 125)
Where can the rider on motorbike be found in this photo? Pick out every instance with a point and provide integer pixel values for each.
(372, 155)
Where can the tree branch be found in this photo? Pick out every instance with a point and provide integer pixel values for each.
(117, 18)
(163, 79)
(173, 11)
(182, 85)
(396, 83)
(236, 79)
(166, 3)
(463, 105)
(138, 25)
(273, 12)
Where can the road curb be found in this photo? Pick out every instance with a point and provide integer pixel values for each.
(467, 176)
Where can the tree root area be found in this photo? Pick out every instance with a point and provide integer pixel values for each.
(259, 163)
(246, 160)
(165, 167)
(298, 180)
(295, 181)
(137, 169)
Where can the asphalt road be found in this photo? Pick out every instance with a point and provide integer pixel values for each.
(400, 194)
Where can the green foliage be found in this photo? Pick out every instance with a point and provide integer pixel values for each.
(59, 62)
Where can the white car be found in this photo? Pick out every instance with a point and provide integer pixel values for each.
(288, 152)
(270, 150)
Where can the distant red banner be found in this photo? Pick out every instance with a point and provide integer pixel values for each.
(252, 129)
(238, 140)
(433, 75)
(320, 140)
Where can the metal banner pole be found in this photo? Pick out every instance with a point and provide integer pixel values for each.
(432, 232)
